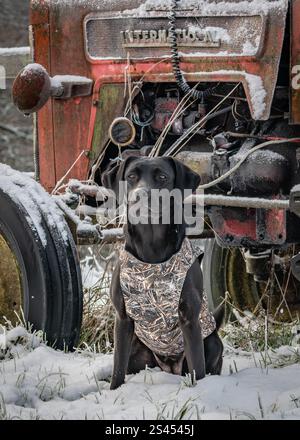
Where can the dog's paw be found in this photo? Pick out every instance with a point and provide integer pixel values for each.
(115, 384)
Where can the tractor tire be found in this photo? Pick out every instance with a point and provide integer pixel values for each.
(39, 266)
(224, 272)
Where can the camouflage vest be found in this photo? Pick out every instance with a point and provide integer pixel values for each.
(152, 292)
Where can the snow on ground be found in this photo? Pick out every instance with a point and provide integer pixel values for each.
(37, 382)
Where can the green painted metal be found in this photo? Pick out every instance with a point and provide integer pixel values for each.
(110, 106)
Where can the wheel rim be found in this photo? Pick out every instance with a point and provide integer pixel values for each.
(11, 286)
(240, 285)
(279, 295)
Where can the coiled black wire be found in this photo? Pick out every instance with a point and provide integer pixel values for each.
(181, 81)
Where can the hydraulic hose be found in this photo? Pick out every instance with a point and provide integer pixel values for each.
(180, 79)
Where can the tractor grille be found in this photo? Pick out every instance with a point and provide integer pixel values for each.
(113, 37)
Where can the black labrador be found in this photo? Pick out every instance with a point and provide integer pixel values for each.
(154, 244)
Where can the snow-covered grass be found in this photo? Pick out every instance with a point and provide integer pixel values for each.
(38, 382)
(260, 378)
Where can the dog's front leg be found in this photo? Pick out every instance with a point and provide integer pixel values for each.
(124, 328)
(188, 311)
(193, 347)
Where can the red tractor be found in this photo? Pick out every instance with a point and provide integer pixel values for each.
(215, 84)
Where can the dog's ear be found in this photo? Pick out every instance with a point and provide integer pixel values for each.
(185, 178)
(112, 177)
(109, 177)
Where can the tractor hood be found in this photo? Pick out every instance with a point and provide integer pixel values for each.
(218, 40)
(105, 40)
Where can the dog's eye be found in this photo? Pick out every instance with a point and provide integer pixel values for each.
(131, 176)
(162, 177)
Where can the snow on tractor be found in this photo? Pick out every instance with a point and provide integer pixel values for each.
(215, 84)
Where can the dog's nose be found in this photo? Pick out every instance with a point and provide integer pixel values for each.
(139, 193)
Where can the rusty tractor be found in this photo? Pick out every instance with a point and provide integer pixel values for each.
(215, 84)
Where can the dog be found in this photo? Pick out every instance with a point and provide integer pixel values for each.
(162, 318)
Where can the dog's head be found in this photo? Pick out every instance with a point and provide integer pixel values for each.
(158, 185)
(151, 173)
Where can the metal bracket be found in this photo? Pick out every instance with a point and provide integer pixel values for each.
(295, 200)
(71, 86)
(295, 266)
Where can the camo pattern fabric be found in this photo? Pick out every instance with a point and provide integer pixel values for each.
(152, 293)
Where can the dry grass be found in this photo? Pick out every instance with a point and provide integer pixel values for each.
(258, 330)
(252, 334)
(98, 312)
(98, 319)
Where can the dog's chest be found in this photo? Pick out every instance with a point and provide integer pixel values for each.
(152, 292)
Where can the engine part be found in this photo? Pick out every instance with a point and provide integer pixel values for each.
(181, 81)
(221, 141)
(223, 149)
(263, 173)
(239, 202)
(295, 200)
(164, 109)
(295, 264)
(243, 159)
(122, 132)
(198, 162)
(257, 264)
(188, 135)
(220, 163)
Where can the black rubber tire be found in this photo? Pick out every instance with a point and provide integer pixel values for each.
(214, 273)
(40, 238)
(225, 271)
